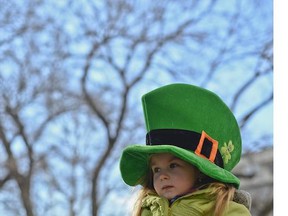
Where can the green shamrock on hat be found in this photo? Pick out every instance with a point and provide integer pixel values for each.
(226, 150)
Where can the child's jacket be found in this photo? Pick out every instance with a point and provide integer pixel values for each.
(194, 204)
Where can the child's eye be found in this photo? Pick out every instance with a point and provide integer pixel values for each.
(173, 165)
(156, 170)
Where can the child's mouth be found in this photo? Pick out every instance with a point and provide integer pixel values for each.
(167, 187)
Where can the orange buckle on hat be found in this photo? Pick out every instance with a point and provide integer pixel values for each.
(214, 147)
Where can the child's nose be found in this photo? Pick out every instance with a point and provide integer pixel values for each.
(164, 175)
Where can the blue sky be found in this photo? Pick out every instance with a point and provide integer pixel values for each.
(280, 105)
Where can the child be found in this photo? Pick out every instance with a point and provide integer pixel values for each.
(192, 144)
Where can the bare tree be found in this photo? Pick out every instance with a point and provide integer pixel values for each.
(72, 74)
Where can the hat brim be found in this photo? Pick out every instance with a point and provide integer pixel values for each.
(134, 163)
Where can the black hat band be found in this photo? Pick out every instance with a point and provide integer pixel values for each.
(200, 144)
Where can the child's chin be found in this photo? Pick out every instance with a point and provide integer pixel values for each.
(169, 196)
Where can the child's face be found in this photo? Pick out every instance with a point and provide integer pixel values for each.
(172, 176)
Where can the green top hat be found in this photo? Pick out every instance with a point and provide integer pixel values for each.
(191, 123)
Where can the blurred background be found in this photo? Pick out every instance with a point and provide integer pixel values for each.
(72, 74)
